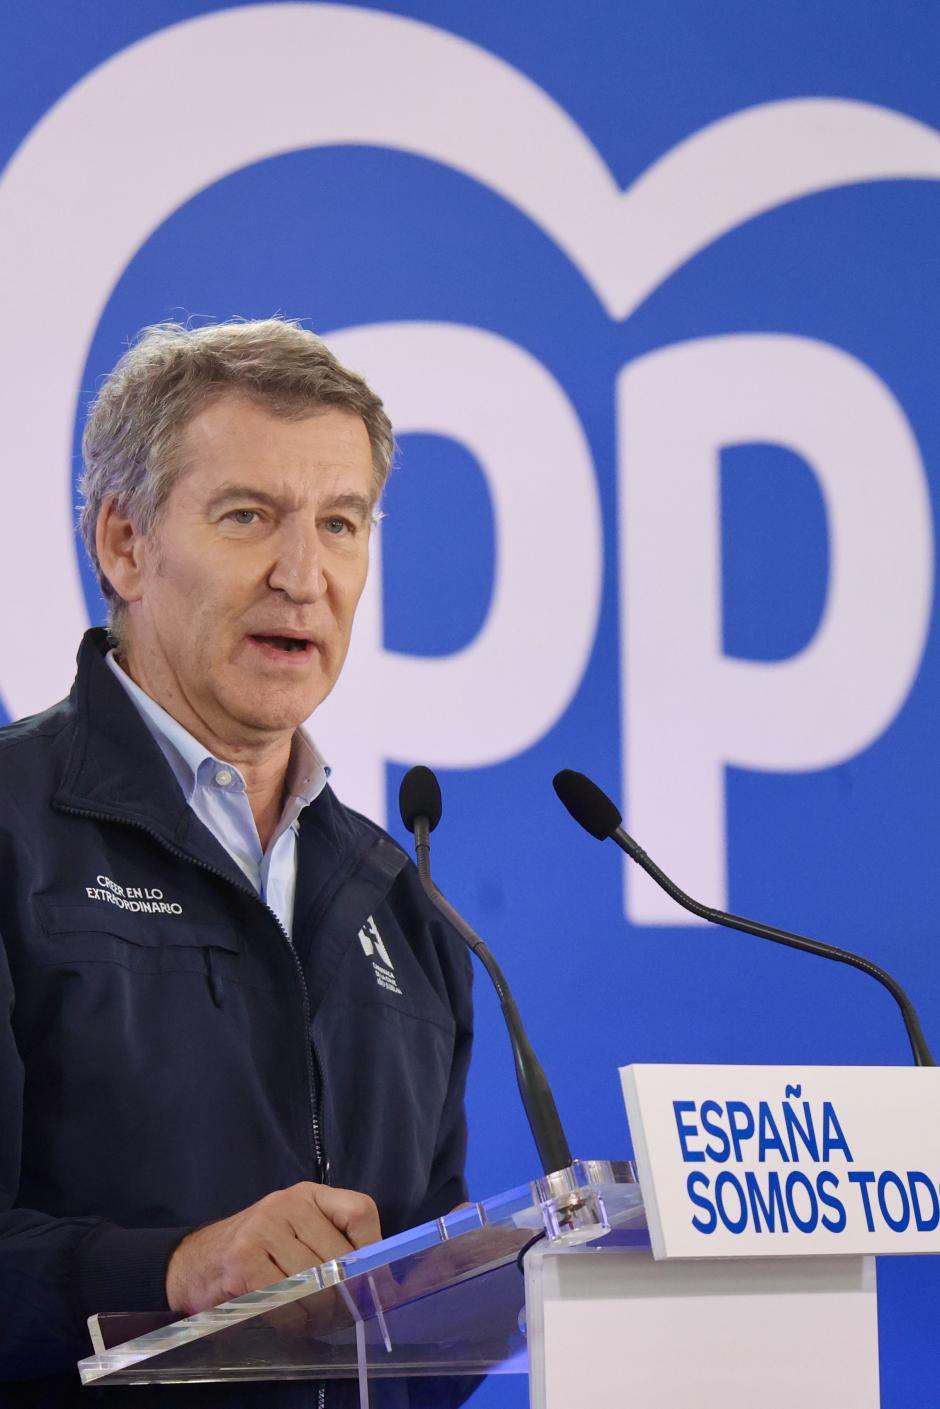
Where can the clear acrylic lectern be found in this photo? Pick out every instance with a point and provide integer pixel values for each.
(555, 1280)
(445, 1298)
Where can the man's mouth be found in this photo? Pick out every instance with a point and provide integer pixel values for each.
(286, 645)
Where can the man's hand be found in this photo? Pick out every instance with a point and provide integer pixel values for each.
(284, 1233)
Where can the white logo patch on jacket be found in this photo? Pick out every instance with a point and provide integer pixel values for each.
(373, 946)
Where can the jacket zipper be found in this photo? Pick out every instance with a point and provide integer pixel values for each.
(313, 1064)
(314, 1076)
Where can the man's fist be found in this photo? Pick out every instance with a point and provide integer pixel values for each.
(284, 1233)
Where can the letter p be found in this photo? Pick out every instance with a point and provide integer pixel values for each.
(690, 710)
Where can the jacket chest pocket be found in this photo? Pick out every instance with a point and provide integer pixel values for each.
(141, 941)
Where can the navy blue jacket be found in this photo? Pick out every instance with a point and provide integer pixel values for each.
(167, 1056)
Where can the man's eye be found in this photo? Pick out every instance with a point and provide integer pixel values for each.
(338, 526)
(243, 516)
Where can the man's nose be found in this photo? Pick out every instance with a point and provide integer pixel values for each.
(298, 568)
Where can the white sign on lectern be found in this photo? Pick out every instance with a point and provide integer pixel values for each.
(783, 1161)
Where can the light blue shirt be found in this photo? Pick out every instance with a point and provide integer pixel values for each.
(215, 790)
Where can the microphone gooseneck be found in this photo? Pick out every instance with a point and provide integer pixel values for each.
(420, 804)
(594, 811)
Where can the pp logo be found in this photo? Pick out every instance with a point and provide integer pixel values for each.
(442, 98)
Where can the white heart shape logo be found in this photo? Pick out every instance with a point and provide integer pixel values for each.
(327, 75)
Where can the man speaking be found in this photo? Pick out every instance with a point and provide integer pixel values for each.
(233, 1034)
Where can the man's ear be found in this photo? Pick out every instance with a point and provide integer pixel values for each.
(121, 551)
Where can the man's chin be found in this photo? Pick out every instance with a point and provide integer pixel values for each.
(276, 711)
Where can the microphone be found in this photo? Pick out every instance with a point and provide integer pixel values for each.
(419, 801)
(596, 813)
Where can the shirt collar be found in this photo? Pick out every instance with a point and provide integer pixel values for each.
(307, 773)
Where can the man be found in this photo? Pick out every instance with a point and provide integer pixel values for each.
(233, 1034)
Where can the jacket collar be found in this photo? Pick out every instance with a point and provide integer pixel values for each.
(115, 770)
(114, 767)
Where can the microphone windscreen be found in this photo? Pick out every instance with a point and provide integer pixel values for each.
(587, 804)
(420, 796)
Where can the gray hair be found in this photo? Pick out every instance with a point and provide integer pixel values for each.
(135, 424)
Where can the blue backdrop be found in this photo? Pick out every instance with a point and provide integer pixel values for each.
(835, 834)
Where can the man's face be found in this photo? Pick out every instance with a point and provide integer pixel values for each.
(250, 580)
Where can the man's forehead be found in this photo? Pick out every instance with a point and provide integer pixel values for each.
(237, 440)
(233, 417)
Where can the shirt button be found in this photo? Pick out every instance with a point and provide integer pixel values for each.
(223, 777)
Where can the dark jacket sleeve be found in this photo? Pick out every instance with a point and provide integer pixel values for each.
(55, 1272)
